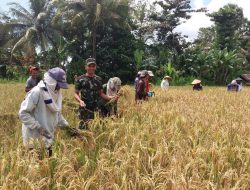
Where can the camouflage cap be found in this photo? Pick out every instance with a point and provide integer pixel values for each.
(90, 61)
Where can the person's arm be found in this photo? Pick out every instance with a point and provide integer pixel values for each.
(162, 84)
(78, 98)
(106, 97)
(28, 86)
(78, 87)
(62, 121)
(27, 106)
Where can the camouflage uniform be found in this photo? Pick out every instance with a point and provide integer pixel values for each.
(89, 88)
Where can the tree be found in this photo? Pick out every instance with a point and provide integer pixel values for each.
(206, 38)
(95, 14)
(172, 14)
(245, 41)
(138, 56)
(226, 65)
(30, 29)
(228, 21)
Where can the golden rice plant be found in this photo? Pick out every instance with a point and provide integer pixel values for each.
(179, 139)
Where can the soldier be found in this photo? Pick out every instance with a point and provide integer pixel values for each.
(88, 90)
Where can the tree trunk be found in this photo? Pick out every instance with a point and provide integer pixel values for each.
(94, 32)
(94, 41)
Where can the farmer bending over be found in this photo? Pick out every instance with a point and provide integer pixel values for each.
(40, 112)
(197, 85)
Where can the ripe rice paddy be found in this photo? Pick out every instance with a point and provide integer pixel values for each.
(179, 139)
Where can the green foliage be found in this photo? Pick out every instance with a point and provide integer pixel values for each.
(138, 56)
(75, 68)
(227, 20)
(225, 65)
(31, 29)
(215, 66)
(115, 54)
(172, 14)
(125, 36)
(17, 73)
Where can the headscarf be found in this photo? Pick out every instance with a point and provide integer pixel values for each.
(51, 96)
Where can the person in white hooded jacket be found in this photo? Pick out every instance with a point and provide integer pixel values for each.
(165, 82)
(40, 111)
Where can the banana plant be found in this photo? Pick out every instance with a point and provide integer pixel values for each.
(138, 56)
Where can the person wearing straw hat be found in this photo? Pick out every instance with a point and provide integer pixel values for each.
(33, 80)
(197, 85)
(165, 82)
(239, 82)
(233, 86)
(141, 93)
(40, 112)
(88, 91)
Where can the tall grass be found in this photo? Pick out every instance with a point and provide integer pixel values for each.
(179, 139)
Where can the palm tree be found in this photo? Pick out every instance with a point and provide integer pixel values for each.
(97, 13)
(31, 29)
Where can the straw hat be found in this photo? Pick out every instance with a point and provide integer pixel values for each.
(196, 81)
(167, 77)
(238, 78)
(150, 73)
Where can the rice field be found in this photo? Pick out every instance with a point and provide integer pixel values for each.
(179, 139)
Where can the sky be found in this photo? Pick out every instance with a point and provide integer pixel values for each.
(198, 20)
(191, 27)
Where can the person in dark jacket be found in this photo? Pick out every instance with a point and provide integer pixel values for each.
(197, 85)
(141, 91)
(33, 80)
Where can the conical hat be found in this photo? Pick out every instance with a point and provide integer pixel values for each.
(196, 81)
(238, 78)
(167, 77)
